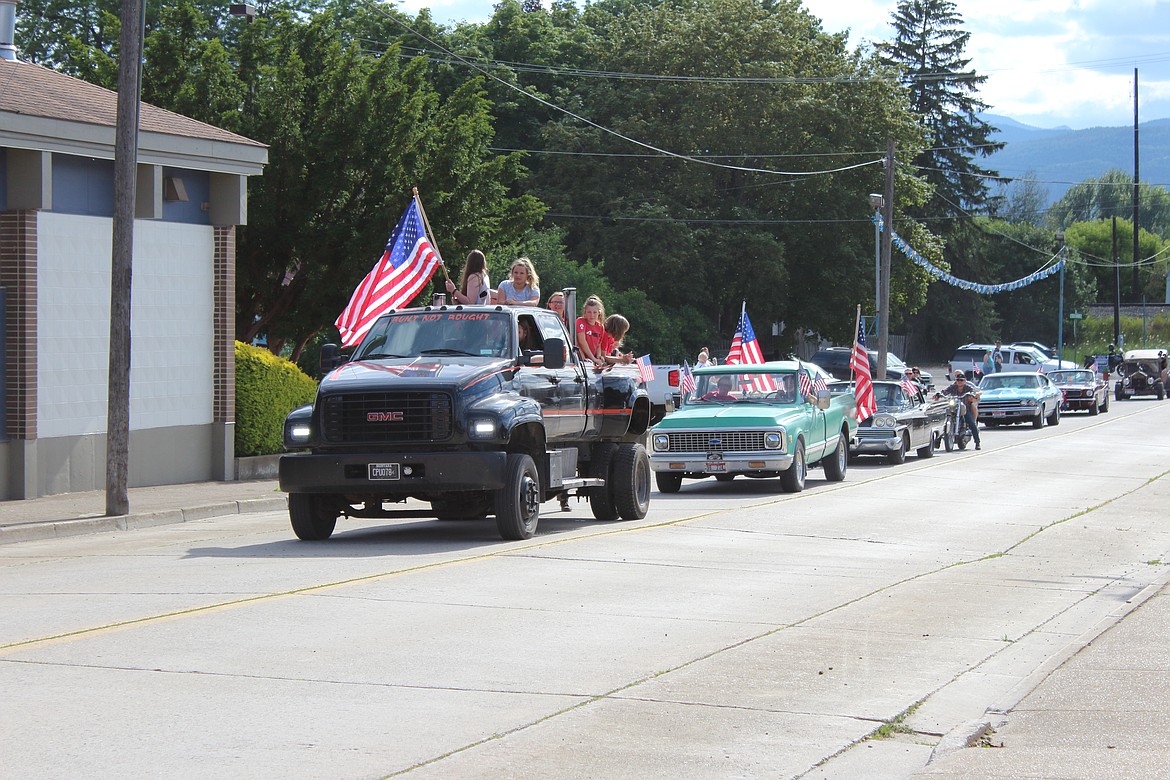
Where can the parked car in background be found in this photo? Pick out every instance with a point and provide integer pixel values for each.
(1043, 349)
(902, 422)
(835, 360)
(1083, 390)
(969, 357)
(1140, 374)
(1019, 396)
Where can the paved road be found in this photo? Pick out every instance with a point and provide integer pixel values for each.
(735, 632)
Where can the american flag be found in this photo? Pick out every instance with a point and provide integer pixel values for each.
(859, 363)
(644, 368)
(745, 349)
(405, 266)
(820, 384)
(687, 383)
(909, 386)
(806, 384)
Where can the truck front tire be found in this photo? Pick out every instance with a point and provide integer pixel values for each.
(792, 480)
(312, 519)
(668, 482)
(518, 501)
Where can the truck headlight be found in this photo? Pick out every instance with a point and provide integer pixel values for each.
(297, 435)
(773, 440)
(661, 442)
(482, 428)
(884, 421)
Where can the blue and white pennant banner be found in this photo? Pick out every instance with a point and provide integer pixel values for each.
(982, 289)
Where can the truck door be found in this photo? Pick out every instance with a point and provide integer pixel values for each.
(565, 413)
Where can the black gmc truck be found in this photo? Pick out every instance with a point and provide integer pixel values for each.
(444, 404)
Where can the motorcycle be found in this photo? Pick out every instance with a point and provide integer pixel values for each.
(957, 432)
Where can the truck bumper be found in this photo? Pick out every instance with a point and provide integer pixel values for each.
(375, 473)
(691, 463)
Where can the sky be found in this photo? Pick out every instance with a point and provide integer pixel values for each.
(1049, 63)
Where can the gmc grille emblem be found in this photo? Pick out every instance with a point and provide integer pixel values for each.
(383, 416)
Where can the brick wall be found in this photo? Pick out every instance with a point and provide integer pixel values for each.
(18, 276)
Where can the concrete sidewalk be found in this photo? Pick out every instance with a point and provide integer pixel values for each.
(1103, 713)
(70, 514)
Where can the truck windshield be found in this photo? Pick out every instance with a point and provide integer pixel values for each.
(438, 333)
(747, 388)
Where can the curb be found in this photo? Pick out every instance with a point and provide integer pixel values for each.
(57, 529)
(968, 734)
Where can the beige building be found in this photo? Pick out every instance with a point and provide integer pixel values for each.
(56, 208)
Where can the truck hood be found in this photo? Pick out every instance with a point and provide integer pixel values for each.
(730, 416)
(423, 371)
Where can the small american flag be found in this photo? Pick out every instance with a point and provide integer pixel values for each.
(909, 386)
(859, 362)
(405, 266)
(806, 384)
(644, 368)
(687, 383)
(820, 384)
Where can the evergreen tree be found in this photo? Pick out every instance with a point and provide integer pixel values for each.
(928, 46)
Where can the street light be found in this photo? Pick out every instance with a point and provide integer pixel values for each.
(877, 201)
(1060, 308)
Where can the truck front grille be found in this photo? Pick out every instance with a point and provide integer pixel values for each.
(386, 418)
(723, 441)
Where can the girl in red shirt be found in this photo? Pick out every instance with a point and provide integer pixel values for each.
(590, 329)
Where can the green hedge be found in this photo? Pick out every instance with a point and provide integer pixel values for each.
(267, 389)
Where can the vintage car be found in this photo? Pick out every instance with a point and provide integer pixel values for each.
(902, 422)
(754, 421)
(1013, 397)
(1083, 390)
(1142, 372)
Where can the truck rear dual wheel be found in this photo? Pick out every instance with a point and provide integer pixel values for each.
(626, 492)
(313, 517)
(517, 503)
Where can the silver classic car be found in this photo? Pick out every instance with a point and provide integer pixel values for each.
(903, 421)
(1023, 396)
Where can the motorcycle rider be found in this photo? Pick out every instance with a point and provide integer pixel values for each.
(960, 388)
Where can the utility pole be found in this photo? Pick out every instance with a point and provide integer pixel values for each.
(887, 250)
(1136, 286)
(1116, 291)
(122, 257)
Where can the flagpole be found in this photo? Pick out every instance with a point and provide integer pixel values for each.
(430, 233)
(853, 346)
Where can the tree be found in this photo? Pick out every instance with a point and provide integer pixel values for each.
(708, 232)
(928, 47)
(1094, 242)
(1111, 195)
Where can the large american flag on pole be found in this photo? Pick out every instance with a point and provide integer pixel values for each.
(859, 363)
(405, 266)
(745, 349)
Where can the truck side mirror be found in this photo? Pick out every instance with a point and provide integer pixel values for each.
(554, 353)
(823, 400)
(331, 358)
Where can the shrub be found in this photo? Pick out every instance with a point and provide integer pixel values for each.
(267, 389)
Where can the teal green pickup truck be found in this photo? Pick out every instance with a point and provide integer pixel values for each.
(754, 421)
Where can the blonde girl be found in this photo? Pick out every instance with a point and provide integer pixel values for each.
(523, 289)
(590, 327)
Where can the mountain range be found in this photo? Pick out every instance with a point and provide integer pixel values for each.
(1060, 157)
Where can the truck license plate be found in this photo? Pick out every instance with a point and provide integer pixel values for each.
(383, 471)
(716, 467)
(998, 414)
